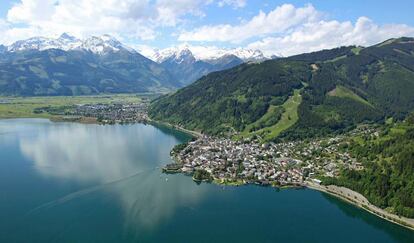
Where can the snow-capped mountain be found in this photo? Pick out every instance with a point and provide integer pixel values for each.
(104, 64)
(103, 44)
(94, 44)
(70, 66)
(246, 55)
(181, 56)
(206, 54)
(186, 68)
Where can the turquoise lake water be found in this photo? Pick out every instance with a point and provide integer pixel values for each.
(67, 182)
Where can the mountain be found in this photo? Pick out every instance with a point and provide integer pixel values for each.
(247, 55)
(208, 54)
(305, 95)
(69, 66)
(64, 42)
(101, 64)
(3, 49)
(185, 68)
(97, 45)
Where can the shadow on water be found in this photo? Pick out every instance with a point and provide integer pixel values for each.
(397, 232)
(173, 132)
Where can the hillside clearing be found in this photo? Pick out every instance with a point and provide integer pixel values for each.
(343, 92)
(288, 118)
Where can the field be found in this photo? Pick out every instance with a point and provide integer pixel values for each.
(22, 107)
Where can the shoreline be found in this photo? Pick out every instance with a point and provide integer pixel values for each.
(179, 128)
(358, 200)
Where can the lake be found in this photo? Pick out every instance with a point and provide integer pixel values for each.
(68, 182)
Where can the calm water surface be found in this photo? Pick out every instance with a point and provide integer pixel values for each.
(66, 182)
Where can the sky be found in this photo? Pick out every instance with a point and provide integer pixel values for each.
(272, 26)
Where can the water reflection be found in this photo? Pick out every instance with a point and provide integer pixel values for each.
(397, 232)
(118, 160)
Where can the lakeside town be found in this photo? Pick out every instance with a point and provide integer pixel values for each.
(227, 161)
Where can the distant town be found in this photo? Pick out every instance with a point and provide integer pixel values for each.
(114, 113)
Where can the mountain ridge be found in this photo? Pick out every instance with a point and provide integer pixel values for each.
(377, 81)
(66, 42)
(247, 55)
(67, 65)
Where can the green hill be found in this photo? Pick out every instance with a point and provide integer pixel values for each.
(339, 89)
(388, 158)
(232, 99)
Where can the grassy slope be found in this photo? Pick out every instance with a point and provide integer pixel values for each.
(288, 119)
(22, 107)
(271, 115)
(343, 92)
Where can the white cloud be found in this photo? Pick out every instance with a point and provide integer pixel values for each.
(289, 30)
(285, 30)
(277, 21)
(137, 19)
(329, 34)
(233, 3)
(169, 11)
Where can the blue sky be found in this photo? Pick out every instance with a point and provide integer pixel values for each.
(275, 27)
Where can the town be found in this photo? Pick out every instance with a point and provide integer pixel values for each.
(113, 113)
(248, 161)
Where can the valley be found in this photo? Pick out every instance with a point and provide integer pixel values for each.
(206, 121)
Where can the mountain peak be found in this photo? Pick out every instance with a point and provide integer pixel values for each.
(66, 36)
(97, 45)
(184, 55)
(176, 54)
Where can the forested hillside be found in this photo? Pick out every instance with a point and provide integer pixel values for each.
(338, 89)
(233, 98)
(388, 178)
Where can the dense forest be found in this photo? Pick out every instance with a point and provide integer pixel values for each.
(388, 178)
